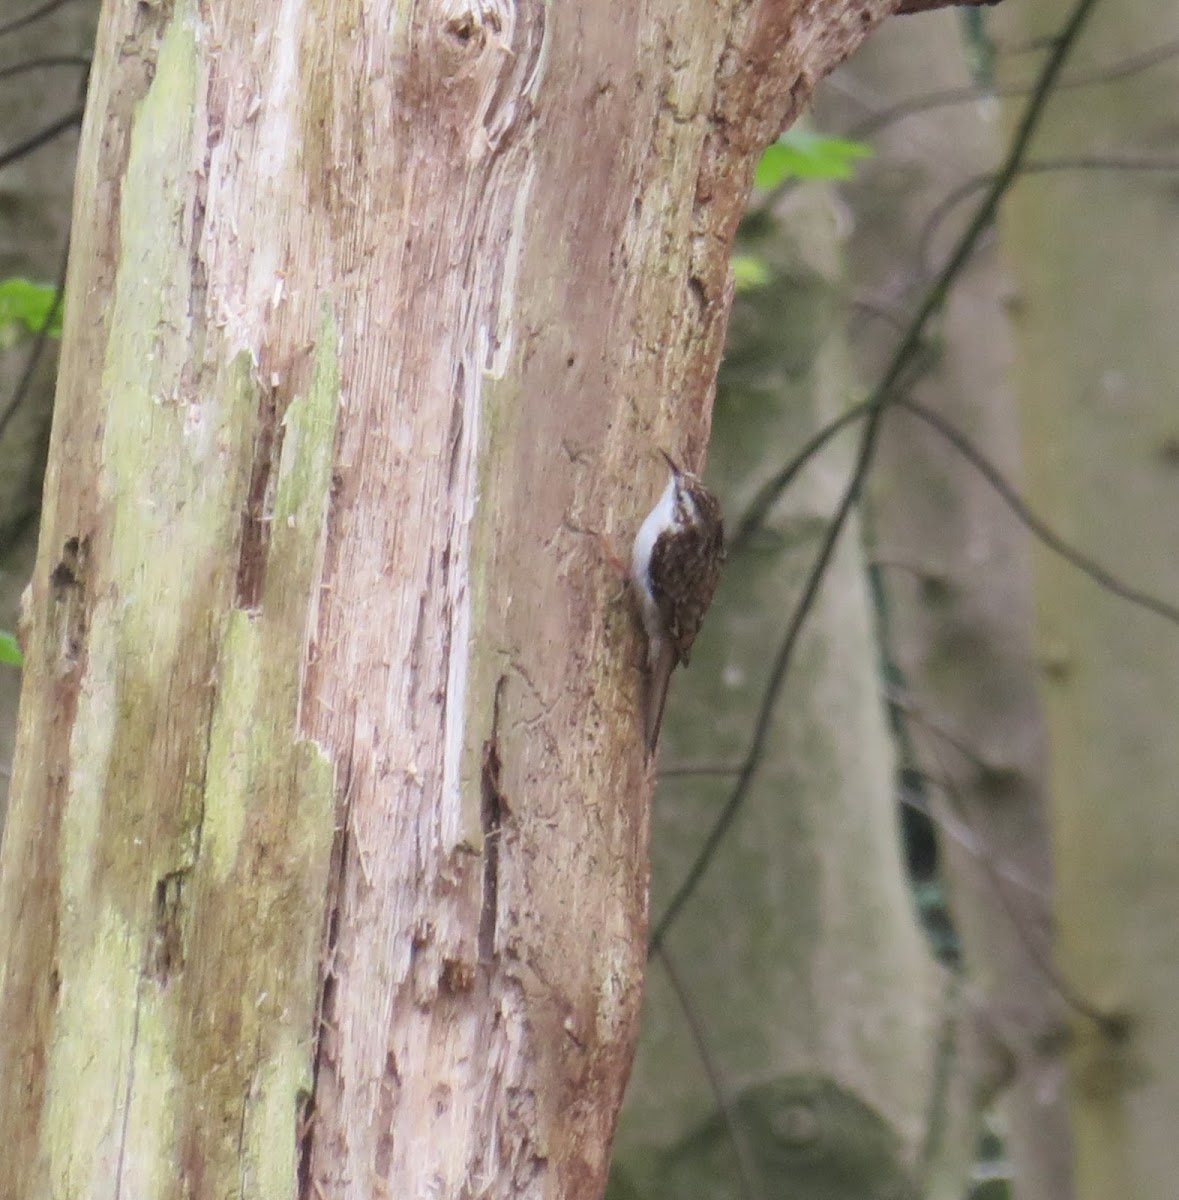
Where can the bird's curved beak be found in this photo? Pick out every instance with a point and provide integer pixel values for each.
(671, 463)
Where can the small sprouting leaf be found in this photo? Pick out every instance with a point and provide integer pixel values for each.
(807, 155)
(749, 272)
(10, 650)
(23, 302)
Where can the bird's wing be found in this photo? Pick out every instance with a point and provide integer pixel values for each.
(683, 579)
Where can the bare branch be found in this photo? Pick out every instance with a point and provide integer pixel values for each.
(1089, 162)
(970, 95)
(32, 15)
(1112, 1025)
(1039, 528)
(38, 139)
(906, 8)
(49, 60)
(751, 1184)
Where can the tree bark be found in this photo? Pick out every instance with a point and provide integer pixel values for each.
(374, 318)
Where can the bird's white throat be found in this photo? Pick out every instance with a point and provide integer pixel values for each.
(661, 517)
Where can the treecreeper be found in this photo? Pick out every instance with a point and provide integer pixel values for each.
(675, 566)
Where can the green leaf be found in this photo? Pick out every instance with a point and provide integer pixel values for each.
(805, 155)
(23, 302)
(749, 272)
(10, 650)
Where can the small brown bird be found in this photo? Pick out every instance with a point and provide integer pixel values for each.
(675, 566)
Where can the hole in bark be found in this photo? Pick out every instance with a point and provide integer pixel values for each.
(457, 976)
(72, 564)
(168, 953)
(255, 536)
(68, 583)
(697, 292)
(491, 818)
(62, 576)
(387, 1111)
(464, 30)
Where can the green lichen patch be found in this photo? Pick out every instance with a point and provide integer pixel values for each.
(260, 882)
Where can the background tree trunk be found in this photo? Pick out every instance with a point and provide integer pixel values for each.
(374, 319)
(1097, 256)
(955, 567)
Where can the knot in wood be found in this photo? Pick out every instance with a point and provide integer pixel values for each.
(470, 27)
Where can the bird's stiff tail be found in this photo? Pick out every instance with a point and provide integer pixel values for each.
(660, 667)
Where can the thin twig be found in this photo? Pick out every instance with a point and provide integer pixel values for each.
(767, 495)
(898, 699)
(699, 769)
(37, 64)
(969, 839)
(746, 1167)
(760, 505)
(41, 137)
(40, 341)
(1111, 1024)
(1088, 566)
(969, 95)
(907, 8)
(1090, 162)
(32, 15)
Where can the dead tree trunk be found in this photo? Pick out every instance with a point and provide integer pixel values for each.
(326, 864)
